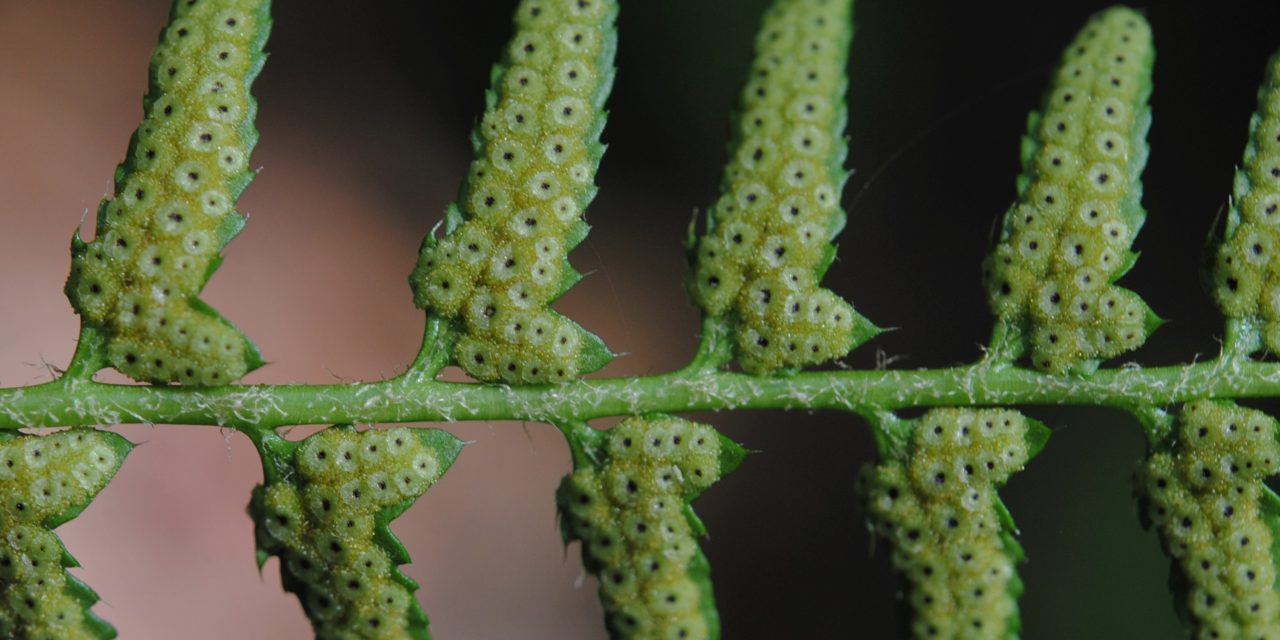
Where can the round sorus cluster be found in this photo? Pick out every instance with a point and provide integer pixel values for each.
(45, 481)
(502, 259)
(158, 239)
(326, 518)
(940, 512)
(1202, 493)
(768, 238)
(1246, 277)
(632, 514)
(1067, 238)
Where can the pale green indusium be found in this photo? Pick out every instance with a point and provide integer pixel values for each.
(951, 535)
(1067, 238)
(1246, 276)
(324, 511)
(502, 259)
(46, 481)
(158, 239)
(768, 237)
(628, 502)
(1204, 493)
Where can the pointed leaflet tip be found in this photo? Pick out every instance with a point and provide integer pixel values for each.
(1037, 437)
(864, 331)
(732, 455)
(1151, 321)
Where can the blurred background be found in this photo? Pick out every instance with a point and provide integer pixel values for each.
(365, 111)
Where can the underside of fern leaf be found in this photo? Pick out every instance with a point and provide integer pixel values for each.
(1203, 492)
(502, 259)
(325, 510)
(627, 502)
(951, 535)
(1066, 239)
(158, 240)
(46, 481)
(1243, 277)
(767, 240)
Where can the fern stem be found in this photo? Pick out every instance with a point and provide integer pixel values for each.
(70, 401)
(90, 354)
(433, 355)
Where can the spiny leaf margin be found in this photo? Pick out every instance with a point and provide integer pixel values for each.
(502, 258)
(157, 240)
(766, 244)
(325, 510)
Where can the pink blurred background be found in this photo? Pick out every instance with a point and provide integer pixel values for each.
(364, 122)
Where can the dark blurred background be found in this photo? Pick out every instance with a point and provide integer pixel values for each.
(365, 109)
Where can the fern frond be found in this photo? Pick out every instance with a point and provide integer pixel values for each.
(1067, 239)
(158, 239)
(324, 511)
(951, 535)
(768, 238)
(627, 501)
(502, 259)
(1245, 280)
(1203, 491)
(46, 481)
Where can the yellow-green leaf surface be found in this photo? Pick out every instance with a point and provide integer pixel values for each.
(46, 481)
(1246, 274)
(1203, 491)
(627, 501)
(324, 511)
(1067, 238)
(951, 536)
(502, 259)
(768, 238)
(158, 238)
